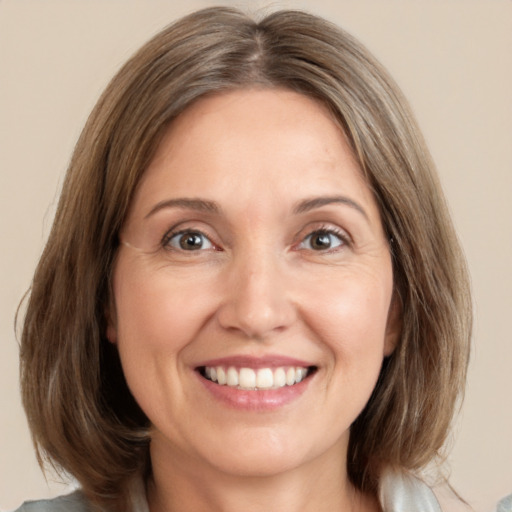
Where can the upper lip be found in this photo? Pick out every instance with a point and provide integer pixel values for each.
(267, 361)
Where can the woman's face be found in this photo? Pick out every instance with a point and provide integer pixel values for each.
(253, 290)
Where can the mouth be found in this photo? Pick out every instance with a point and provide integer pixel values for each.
(256, 379)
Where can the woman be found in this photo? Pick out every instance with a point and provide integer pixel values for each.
(252, 292)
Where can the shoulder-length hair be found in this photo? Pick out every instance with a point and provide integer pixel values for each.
(81, 413)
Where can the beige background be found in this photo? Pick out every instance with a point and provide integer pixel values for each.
(453, 60)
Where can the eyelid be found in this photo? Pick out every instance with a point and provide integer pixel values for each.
(191, 226)
(323, 228)
(176, 230)
(176, 245)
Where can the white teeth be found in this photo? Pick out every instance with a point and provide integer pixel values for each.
(279, 378)
(247, 378)
(221, 376)
(232, 377)
(290, 376)
(300, 373)
(262, 378)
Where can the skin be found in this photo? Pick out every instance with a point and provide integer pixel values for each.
(256, 285)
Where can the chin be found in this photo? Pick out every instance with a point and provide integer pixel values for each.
(258, 465)
(269, 452)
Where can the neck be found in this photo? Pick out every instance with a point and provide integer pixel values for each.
(319, 485)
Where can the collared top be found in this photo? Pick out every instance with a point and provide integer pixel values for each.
(399, 492)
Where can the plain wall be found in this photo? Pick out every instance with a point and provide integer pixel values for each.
(452, 58)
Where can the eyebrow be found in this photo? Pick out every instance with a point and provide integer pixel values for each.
(317, 202)
(201, 205)
(204, 205)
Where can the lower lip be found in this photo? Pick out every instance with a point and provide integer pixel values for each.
(262, 400)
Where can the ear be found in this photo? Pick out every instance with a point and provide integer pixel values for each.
(394, 324)
(111, 334)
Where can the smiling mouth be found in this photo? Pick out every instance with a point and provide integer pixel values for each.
(250, 379)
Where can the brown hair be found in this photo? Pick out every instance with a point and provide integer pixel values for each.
(82, 415)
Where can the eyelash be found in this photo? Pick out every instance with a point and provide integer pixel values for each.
(330, 231)
(190, 231)
(344, 239)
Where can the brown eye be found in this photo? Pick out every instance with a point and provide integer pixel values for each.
(189, 241)
(322, 241)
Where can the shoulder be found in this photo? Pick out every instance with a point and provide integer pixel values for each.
(74, 502)
(403, 492)
(505, 505)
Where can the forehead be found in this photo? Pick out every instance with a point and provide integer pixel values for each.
(254, 107)
(279, 137)
(225, 119)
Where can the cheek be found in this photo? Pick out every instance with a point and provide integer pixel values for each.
(154, 312)
(156, 321)
(349, 320)
(350, 317)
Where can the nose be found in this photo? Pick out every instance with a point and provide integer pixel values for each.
(257, 300)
